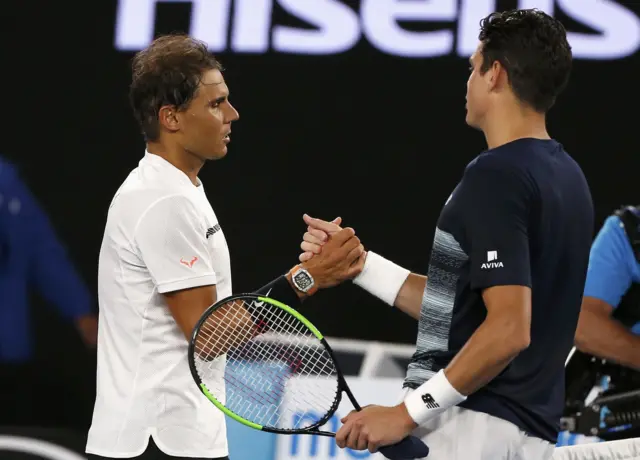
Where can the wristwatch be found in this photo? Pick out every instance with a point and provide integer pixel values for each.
(303, 281)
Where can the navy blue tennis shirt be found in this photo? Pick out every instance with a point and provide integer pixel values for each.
(30, 258)
(521, 215)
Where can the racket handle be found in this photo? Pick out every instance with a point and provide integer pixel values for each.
(407, 449)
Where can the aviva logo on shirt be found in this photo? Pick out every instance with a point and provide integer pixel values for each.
(492, 261)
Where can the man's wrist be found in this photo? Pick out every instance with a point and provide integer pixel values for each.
(281, 289)
(409, 421)
(300, 285)
(301, 295)
(381, 277)
(432, 398)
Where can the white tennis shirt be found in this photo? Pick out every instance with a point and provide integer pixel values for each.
(161, 235)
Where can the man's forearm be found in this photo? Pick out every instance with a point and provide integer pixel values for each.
(487, 353)
(394, 285)
(604, 337)
(409, 298)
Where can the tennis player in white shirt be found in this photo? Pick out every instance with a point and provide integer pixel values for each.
(164, 260)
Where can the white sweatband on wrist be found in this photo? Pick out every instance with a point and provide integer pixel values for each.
(432, 398)
(381, 277)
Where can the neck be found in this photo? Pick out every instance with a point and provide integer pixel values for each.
(178, 157)
(507, 124)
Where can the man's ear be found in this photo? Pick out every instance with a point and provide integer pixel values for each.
(496, 76)
(168, 118)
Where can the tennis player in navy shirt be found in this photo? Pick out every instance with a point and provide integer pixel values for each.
(498, 310)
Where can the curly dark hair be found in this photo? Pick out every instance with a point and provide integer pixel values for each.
(167, 72)
(534, 51)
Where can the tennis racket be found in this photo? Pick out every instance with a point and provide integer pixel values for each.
(266, 366)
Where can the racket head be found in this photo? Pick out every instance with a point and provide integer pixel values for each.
(265, 365)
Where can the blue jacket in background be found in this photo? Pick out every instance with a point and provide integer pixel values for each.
(612, 266)
(31, 258)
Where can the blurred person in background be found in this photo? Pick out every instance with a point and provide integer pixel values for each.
(609, 325)
(603, 371)
(32, 259)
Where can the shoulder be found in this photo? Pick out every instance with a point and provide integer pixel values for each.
(612, 243)
(6, 166)
(494, 161)
(613, 229)
(610, 236)
(137, 209)
(612, 252)
(168, 217)
(170, 204)
(140, 192)
(612, 226)
(498, 172)
(8, 172)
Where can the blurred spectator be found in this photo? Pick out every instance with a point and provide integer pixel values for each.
(609, 325)
(31, 258)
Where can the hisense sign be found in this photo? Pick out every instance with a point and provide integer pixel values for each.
(247, 26)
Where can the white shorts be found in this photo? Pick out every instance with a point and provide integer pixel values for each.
(463, 434)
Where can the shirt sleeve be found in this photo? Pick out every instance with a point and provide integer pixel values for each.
(171, 238)
(611, 259)
(495, 212)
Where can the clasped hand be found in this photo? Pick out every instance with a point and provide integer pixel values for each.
(373, 426)
(335, 254)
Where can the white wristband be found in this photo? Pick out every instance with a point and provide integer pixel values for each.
(432, 398)
(381, 277)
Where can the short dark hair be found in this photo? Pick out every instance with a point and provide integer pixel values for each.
(167, 72)
(534, 51)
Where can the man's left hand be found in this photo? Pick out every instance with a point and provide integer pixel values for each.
(88, 328)
(375, 426)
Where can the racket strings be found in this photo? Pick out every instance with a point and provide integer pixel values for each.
(263, 352)
(260, 363)
(279, 382)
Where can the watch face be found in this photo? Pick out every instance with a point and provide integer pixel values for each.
(303, 280)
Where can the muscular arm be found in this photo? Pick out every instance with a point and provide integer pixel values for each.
(500, 338)
(601, 335)
(409, 298)
(228, 327)
(188, 305)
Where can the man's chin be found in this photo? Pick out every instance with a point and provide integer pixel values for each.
(218, 155)
(471, 122)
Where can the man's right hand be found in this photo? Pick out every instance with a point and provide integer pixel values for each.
(318, 238)
(317, 234)
(342, 257)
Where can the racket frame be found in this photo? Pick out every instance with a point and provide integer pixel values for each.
(342, 383)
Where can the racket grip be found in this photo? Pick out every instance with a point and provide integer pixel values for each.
(407, 449)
